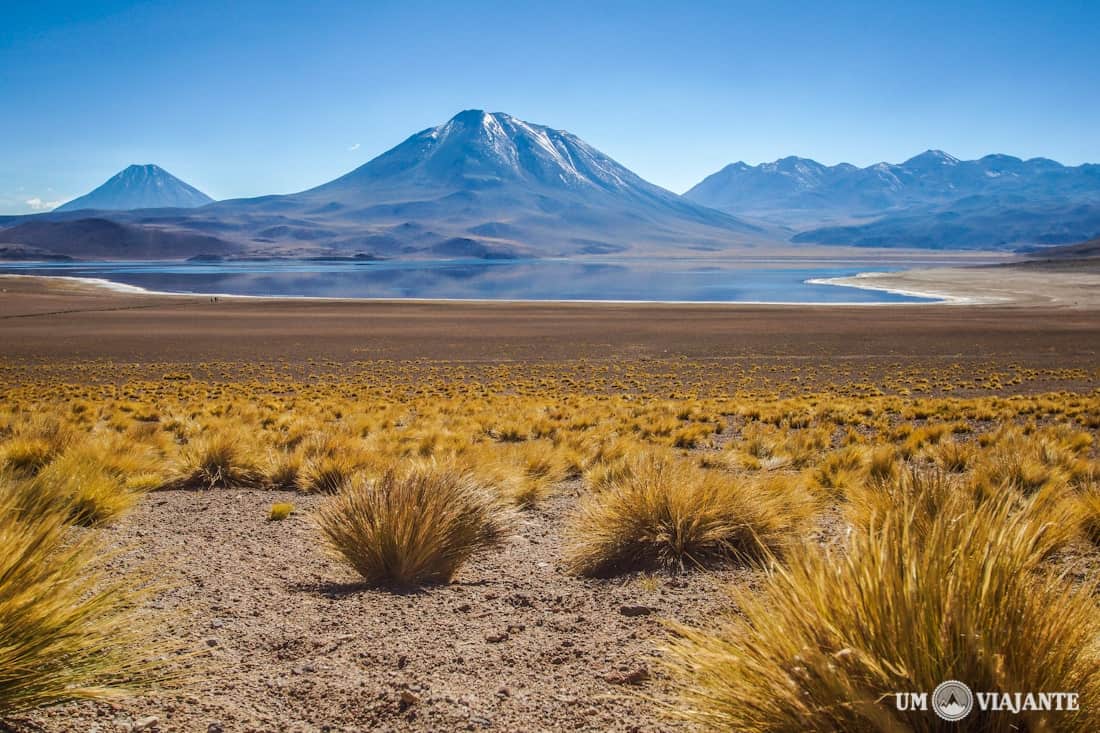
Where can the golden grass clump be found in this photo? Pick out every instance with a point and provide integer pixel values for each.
(662, 511)
(326, 474)
(1012, 465)
(35, 444)
(802, 446)
(523, 473)
(613, 459)
(26, 456)
(219, 461)
(922, 437)
(281, 468)
(66, 632)
(928, 493)
(842, 471)
(98, 479)
(601, 475)
(280, 511)
(1036, 459)
(953, 456)
(692, 435)
(79, 483)
(882, 463)
(412, 528)
(1090, 512)
(757, 441)
(832, 636)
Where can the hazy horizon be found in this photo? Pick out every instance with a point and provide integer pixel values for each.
(270, 98)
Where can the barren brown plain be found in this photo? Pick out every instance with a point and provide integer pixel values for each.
(61, 322)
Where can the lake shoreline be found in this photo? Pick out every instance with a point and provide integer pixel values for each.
(1053, 284)
(758, 280)
(64, 282)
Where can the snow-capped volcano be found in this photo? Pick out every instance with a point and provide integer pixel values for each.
(481, 147)
(512, 186)
(477, 151)
(140, 187)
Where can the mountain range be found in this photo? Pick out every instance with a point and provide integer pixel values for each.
(933, 200)
(140, 187)
(492, 186)
(480, 185)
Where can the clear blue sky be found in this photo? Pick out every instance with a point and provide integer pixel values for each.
(249, 98)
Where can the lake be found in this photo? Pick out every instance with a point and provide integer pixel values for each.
(727, 281)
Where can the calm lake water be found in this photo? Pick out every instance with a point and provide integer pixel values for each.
(605, 279)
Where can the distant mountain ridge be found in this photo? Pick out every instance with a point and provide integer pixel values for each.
(802, 184)
(931, 200)
(97, 237)
(140, 187)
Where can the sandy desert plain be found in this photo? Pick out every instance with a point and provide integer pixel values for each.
(295, 515)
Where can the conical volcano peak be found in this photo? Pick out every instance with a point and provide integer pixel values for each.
(521, 185)
(145, 174)
(140, 186)
(475, 148)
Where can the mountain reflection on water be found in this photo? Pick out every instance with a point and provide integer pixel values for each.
(548, 279)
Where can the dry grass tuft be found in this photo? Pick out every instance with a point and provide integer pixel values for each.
(37, 443)
(280, 511)
(219, 461)
(882, 463)
(842, 471)
(412, 528)
(1027, 462)
(523, 473)
(26, 456)
(927, 493)
(281, 468)
(953, 456)
(661, 511)
(963, 595)
(88, 491)
(1090, 512)
(66, 633)
(326, 474)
